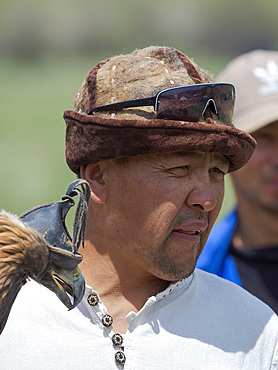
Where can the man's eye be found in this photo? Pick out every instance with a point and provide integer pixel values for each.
(178, 171)
(218, 171)
(182, 168)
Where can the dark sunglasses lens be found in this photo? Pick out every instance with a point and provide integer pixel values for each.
(224, 98)
(189, 103)
(181, 103)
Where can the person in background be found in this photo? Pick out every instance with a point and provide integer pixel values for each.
(243, 246)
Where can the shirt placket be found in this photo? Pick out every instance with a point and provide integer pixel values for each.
(97, 309)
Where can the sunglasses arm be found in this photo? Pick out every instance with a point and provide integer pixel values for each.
(145, 102)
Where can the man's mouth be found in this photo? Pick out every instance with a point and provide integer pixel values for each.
(191, 230)
(188, 231)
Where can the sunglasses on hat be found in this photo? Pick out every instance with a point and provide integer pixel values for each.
(187, 103)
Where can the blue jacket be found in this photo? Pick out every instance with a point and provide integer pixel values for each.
(216, 257)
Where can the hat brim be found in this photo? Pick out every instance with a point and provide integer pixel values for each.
(90, 139)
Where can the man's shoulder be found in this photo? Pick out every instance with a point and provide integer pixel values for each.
(33, 305)
(230, 297)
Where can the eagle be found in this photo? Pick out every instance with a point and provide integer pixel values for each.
(38, 246)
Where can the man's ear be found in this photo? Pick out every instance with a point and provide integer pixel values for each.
(93, 174)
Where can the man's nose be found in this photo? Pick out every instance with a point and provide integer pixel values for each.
(203, 196)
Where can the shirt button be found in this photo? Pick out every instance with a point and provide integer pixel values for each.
(120, 357)
(107, 320)
(93, 299)
(117, 339)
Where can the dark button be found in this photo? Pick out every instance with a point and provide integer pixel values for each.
(120, 357)
(107, 320)
(117, 339)
(93, 299)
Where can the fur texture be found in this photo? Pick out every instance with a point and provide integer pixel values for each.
(23, 254)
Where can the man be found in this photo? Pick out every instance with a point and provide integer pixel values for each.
(155, 164)
(243, 247)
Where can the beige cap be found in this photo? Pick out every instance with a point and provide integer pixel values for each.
(255, 76)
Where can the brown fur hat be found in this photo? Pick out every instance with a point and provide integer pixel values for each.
(136, 131)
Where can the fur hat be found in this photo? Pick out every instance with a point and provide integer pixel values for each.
(136, 131)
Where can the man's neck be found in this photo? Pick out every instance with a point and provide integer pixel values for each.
(120, 289)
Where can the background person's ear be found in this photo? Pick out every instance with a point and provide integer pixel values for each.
(94, 175)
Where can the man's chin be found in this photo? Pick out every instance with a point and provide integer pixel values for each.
(177, 273)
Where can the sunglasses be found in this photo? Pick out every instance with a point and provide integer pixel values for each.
(187, 103)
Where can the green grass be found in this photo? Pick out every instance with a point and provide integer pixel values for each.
(32, 130)
(33, 97)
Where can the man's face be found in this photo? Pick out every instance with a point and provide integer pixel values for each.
(161, 208)
(257, 181)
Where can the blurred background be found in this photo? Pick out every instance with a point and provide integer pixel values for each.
(46, 49)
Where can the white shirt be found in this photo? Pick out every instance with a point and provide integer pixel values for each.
(202, 322)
